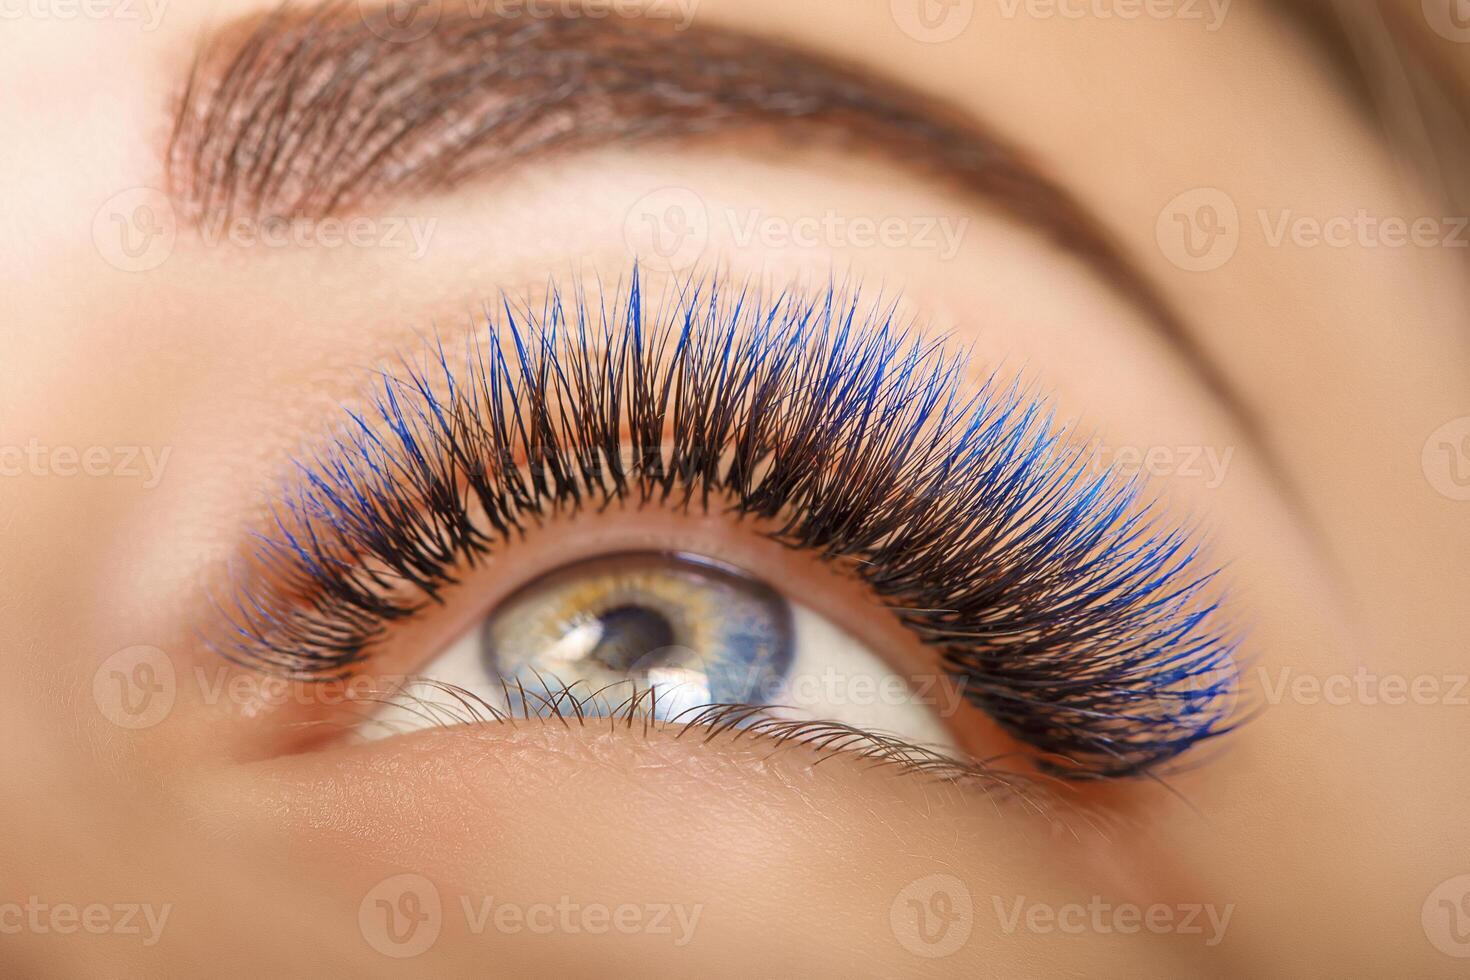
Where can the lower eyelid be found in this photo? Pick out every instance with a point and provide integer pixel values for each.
(695, 757)
(460, 801)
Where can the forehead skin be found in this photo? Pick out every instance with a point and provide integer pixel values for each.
(1325, 823)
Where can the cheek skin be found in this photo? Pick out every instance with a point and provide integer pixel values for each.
(745, 836)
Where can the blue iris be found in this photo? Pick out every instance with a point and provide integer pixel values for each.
(696, 631)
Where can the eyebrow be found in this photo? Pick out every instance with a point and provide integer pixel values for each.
(302, 114)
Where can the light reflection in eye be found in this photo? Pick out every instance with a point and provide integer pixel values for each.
(698, 632)
(691, 629)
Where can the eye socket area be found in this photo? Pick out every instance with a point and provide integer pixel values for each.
(672, 636)
(1076, 613)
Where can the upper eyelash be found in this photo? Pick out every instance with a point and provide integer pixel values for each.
(1049, 589)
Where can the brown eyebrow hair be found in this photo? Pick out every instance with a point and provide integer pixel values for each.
(304, 113)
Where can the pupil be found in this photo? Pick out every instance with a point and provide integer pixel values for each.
(629, 635)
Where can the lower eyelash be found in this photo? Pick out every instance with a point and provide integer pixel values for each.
(1048, 589)
(626, 707)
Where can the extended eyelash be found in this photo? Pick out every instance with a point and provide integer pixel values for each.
(1048, 588)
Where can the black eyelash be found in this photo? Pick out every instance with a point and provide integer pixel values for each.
(627, 707)
(1049, 590)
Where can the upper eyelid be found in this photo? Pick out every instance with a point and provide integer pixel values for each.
(857, 433)
(602, 81)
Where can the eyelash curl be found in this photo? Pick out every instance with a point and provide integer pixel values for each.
(1049, 588)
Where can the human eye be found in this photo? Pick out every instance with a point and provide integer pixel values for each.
(636, 481)
(733, 488)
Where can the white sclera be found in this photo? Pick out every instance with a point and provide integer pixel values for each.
(833, 678)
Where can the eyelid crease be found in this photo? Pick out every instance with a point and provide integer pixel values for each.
(304, 113)
(1046, 588)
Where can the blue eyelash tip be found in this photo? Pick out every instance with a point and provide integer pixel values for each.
(1047, 589)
